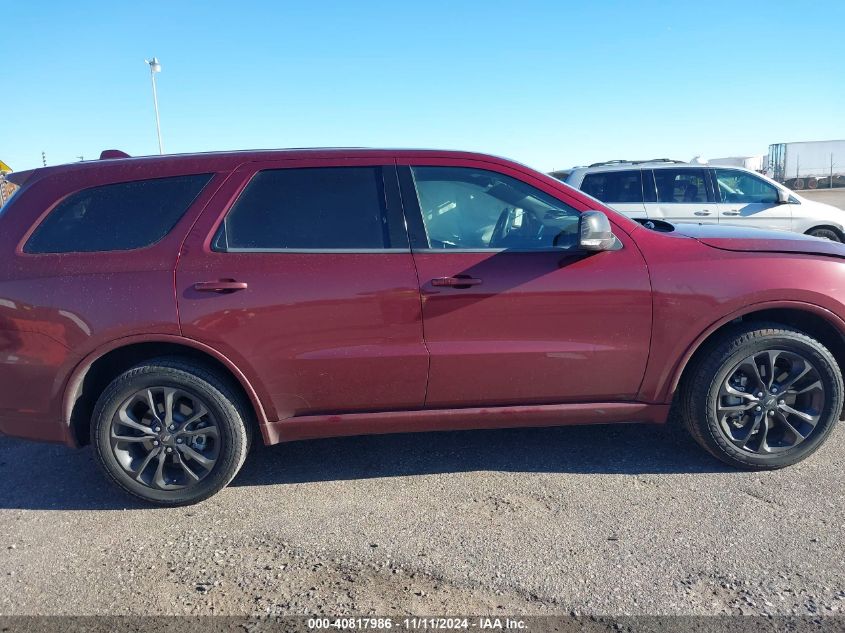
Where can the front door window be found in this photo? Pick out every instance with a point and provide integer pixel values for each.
(737, 186)
(475, 209)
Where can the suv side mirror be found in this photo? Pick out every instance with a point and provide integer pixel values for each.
(595, 232)
(783, 196)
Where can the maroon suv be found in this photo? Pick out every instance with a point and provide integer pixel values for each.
(166, 308)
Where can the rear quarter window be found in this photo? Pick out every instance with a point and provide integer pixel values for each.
(116, 217)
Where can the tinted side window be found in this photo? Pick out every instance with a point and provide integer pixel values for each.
(615, 186)
(649, 188)
(683, 186)
(478, 209)
(309, 208)
(742, 187)
(116, 217)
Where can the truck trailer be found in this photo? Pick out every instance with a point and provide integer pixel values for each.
(808, 164)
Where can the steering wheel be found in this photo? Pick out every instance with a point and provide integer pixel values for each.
(501, 230)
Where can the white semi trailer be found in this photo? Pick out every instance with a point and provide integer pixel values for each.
(809, 164)
(754, 163)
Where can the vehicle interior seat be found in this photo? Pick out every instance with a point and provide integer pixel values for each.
(691, 193)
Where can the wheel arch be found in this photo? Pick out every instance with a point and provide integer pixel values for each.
(829, 227)
(98, 369)
(813, 320)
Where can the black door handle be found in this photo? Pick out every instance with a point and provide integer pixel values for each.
(458, 281)
(222, 285)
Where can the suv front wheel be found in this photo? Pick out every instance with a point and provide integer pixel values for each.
(762, 396)
(170, 432)
(825, 234)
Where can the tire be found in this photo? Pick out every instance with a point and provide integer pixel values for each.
(707, 402)
(827, 234)
(202, 454)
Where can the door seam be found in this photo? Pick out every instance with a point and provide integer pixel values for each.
(182, 247)
(419, 285)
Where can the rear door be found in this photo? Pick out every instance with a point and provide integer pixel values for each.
(684, 195)
(747, 200)
(622, 190)
(300, 272)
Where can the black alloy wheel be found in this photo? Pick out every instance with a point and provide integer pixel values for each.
(770, 402)
(170, 431)
(761, 396)
(165, 438)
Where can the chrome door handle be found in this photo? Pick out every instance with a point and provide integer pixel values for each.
(730, 212)
(222, 285)
(458, 281)
(705, 212)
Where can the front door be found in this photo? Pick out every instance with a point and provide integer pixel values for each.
(747, 200)
(683, 195)
(307, 283)
(513, 311)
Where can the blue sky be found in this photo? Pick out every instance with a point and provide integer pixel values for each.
(550, 84)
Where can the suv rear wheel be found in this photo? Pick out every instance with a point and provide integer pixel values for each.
(170, 432)
(762, 397)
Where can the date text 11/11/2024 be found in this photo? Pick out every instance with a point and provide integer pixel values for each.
(415, 623)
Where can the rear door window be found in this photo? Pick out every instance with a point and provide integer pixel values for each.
(117, 217)
(649, 188)
(681, 186)
(322, 208)
(615, 186)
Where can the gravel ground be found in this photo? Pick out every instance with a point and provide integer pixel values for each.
(586, 520)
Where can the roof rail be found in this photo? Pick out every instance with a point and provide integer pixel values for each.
(638, 162)
(663, 160)
(610, 162)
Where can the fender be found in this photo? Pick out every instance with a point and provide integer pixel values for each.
(74, 382)
(669, 389)
(820, 225)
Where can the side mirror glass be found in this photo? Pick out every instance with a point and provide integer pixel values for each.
(595, 232)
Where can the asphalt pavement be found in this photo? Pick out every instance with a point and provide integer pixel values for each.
(586, 520)
(836, 197)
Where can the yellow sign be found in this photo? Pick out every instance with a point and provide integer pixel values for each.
(4, 167)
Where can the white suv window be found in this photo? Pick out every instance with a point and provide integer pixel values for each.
(615, 186)
(680, 186)
(742, 187)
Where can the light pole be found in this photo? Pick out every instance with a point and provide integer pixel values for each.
(155, 67)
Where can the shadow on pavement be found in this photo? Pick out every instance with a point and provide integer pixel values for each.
(41, 476)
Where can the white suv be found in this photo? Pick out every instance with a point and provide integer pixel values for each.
(675, 191)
